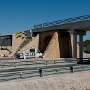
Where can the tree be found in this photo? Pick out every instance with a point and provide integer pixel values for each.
(86, 43)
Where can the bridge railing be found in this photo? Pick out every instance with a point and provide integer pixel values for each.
(59, 22)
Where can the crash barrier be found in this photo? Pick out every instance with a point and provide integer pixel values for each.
(22, 62)
(78, 60)
(38, 68)
(83, 61)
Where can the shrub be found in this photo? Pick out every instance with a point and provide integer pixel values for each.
(18, 35)
(26, 41)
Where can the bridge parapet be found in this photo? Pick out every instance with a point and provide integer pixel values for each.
(65, 21)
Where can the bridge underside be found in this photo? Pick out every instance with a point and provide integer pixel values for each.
(66, 41)
(60, 43)
(55, 44)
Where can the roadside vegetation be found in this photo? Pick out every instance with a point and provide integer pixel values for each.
(19, 34)
(86, 45)
(24, 43)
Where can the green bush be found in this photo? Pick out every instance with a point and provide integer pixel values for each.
(25, 42)
(18, 35)
(86, 43)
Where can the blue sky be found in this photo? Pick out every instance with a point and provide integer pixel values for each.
(20, 15)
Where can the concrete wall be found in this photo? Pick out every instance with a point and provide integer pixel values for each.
(28, 33)
(65, 45)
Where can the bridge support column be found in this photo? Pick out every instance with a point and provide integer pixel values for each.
(81, 33)
(74, 43)
(81, 46)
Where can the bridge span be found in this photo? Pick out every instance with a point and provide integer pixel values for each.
(74, 26)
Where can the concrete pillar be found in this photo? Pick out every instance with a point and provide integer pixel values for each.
(31, 33)
(74, 43)
(74, 46)
(81, 46)
(81, 33)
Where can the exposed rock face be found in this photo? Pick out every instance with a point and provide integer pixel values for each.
(34, 43)
(16, 42)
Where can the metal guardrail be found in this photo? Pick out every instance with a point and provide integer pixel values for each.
(28, 62)
(24, 69)
(59, 22)
(10, 70)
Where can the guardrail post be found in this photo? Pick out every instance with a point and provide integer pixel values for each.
(71, 69)
(20, 73)
(46, 62)
(41, 72)
(82, 67)
(57, 70)
(54, 62)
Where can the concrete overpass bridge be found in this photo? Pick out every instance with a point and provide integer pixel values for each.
(67, 31)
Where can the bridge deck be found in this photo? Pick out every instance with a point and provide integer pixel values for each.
(81, 22)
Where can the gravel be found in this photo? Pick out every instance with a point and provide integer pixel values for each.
(68, 81)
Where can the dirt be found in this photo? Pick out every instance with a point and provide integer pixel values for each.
(68, 81)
